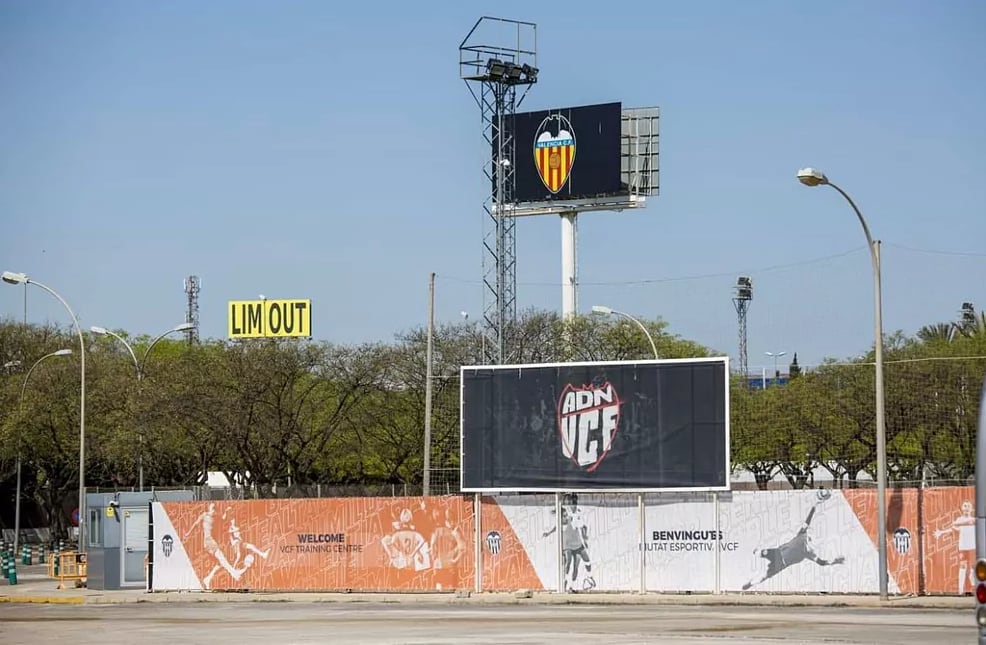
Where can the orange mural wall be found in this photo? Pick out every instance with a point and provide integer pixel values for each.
(368, 544)
(506, 558)
(902, 522)
(429, 544)
(931, 536)
(949, 545)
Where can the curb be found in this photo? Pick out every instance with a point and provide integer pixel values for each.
(520, 598)
(44, 600)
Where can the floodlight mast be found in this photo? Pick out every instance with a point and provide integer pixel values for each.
(499, 64)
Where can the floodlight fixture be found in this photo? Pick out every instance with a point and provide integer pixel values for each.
(14, 278)
(812, 177)
(495, 68)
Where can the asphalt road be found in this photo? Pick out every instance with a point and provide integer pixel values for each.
(377, 624)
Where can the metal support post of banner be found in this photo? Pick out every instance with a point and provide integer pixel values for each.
(560, 560)
(718, 542)
(641, 511)
(478, 513)
(429, 377)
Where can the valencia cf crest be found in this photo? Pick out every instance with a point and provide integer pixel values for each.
(554, 151)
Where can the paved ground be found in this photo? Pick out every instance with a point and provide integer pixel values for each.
(372, 624)
(36, 611)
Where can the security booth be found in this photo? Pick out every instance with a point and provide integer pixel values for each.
(117, 536)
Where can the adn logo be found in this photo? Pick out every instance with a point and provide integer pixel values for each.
(554, 151)
(167, 545)
(588, 417)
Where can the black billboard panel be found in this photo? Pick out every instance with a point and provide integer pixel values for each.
(565, 153)
(609, 426)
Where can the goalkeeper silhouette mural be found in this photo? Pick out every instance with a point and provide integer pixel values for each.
(797, 549)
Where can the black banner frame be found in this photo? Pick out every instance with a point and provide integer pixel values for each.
(726, 487)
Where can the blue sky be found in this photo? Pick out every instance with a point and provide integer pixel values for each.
(330, 151)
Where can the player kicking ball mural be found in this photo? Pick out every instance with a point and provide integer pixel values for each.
(795, 550)
(575, 544)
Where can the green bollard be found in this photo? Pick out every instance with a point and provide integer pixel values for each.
(41, 554)
(12, 571)
(25, 555)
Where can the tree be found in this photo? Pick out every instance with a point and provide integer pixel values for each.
(752, 433)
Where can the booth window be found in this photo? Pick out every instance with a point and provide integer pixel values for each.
(94, 521)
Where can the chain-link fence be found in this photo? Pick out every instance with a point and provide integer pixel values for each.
(816, 427)
(803, 430)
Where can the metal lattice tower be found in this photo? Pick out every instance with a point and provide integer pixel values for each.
(967, 315)
(743, 294)
(499, 67)
(192, 288)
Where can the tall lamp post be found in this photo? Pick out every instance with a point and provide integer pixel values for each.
(139, 367)
(813, 177)
(775, 356)
(599, 309)
(20, 402)
(21, 278)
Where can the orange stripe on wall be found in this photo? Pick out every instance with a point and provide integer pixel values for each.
(944, 546)
(901, 512)
(511, 567)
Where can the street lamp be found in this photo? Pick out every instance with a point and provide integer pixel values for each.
(139, 367)
(775, 356)
(21, 278)
(599, 309)
(813, 177)
(20, 402)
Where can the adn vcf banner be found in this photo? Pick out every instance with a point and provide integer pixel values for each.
(368, 544)
(604, 426)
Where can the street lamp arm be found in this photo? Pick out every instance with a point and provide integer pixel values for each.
(27, 377)
(154, 342)
(75, 321)
(859, 215)
(643, 328)
(130, 349)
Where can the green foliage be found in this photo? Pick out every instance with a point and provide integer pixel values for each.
(293, 413)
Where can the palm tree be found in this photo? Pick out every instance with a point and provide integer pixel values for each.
(940, 332)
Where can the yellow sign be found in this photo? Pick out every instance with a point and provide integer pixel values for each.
(270, 318)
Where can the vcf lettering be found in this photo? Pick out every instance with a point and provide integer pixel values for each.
(269, 318)
(588, 419)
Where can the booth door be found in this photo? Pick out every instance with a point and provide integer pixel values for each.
(134, 549)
